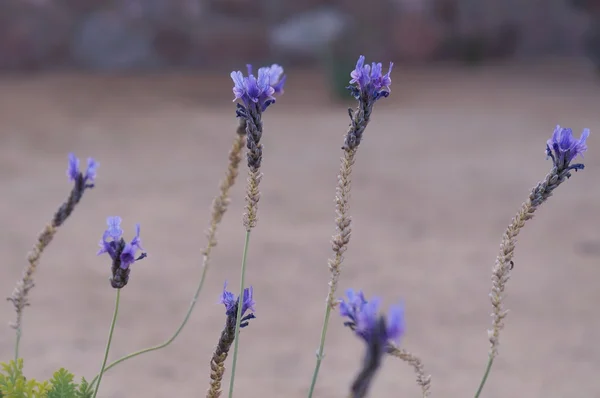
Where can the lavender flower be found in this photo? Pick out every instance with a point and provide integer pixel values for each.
(368, 82)
(564, 148)
(258, 92)
(74, 174)
(231, 305)
(368, 85)
(123, 254)
(363, 316)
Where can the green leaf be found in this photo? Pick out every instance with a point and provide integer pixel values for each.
(85, 390)
(13, 383)
(62, 385)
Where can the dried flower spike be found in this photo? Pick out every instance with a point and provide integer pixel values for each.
(562, 148)
(217, 362)
(123, 254)
(367, 86)
(82, 182)
(256, 94)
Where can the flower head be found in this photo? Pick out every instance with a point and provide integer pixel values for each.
(369, 82)
(231, 304)
(563, 147)
(73, 170)
(113, 243)
(258, 92)
(364, 314)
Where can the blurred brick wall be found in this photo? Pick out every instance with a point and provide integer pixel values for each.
(120, 35)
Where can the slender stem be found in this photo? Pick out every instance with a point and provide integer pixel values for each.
(321, 350)
(485, 375)
(171, 339)
(219, 208)
(110, 335)
(17, 342)
(238, 319)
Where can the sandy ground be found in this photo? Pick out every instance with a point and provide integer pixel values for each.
(444, 166)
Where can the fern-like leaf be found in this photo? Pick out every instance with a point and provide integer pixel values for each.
(85, 390)
(62, 385)
(13, 383)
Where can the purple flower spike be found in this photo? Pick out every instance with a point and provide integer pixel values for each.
(564, 148)
(113, 243)
(231, 305)
(363, 317)
(368, 81)
(73, 170)
(258, 91)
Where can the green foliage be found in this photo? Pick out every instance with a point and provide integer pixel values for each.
(62, 385)
(13, 384)
(84, 390)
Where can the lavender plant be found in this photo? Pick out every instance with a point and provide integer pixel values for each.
(380, 333)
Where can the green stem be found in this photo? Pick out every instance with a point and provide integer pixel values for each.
(485, 376)
(110, 335)
(321, 350)
(171, 339)
(238, 319)
(18, 341)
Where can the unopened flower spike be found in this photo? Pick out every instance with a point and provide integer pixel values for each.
(122, 253)
(563, 148)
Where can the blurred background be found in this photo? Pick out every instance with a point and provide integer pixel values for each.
(143, 86)
(136, 35)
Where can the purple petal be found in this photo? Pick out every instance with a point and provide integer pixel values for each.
(73, 168)
(114, 227)
(395, 322)
(128, 256)
(238, 84)
(92, 166)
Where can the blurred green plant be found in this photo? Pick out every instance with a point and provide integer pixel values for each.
(13, 384)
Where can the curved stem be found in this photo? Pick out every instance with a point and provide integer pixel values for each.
(170, 340)
(110, 335)
(238, 319)
(485, 376)
(321, 350)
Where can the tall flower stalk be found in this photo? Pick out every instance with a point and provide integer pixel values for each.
(82, 181)
(217, 361)
(255, 94)
(562, 148)
(122, 254)
(219, 207)
(368, 84)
